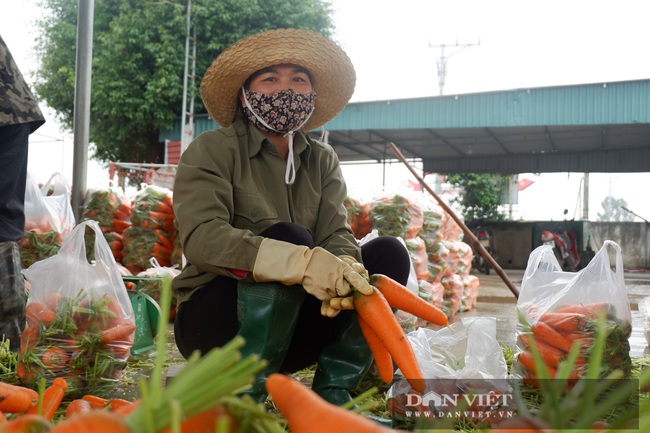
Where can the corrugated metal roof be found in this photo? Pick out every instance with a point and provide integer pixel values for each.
(601, 127)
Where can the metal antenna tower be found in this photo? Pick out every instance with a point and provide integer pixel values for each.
(442, 60)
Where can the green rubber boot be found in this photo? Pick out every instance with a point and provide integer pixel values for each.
(343, 364)
(267, 314)
(12, 295)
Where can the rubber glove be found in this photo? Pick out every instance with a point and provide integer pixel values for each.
(319, 272)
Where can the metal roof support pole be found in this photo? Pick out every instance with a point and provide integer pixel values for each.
(184, 141)
(81, 115)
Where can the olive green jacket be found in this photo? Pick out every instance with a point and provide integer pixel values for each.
(230, 186)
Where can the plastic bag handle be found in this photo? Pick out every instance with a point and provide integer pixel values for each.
(46, 186)
(536, 258)
(619, 256)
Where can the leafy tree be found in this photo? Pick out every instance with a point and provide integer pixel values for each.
(139, 57)
(613, 210)
(481, 195)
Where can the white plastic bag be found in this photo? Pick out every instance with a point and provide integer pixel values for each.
(570, 303)
(465, 358)
(79, 312)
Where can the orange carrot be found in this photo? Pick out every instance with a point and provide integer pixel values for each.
(52, 398)
(55, 358)
(37, 312)
(564, 322)
(543, 332)
(163, 239)
(306, 412)
(591, 310)
(15, 398)
(117, 403)
(527, 360)
(120, 225)
(161, 216)
(551, 356)
(383, 360)
(26, 423)
(162, 249)
(76, 407)
(95, 402)
(95, 421)
(126, 409)
(164, 208)
(403, 299)
(206, 421)
(118, 333)
(376, 312)
(121, 215)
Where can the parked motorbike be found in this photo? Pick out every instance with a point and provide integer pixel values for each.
(485, 237)
(565, 246)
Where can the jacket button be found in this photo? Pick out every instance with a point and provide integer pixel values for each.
(253, 214)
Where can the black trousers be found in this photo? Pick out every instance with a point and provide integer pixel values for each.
(14, 141)
(209, 318)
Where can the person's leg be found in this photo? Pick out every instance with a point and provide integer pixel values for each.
(13, 166)
(343, 363)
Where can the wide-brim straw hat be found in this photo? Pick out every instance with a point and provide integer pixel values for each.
(330, 67)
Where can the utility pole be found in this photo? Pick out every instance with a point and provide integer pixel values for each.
(442, 60)
(187, 128)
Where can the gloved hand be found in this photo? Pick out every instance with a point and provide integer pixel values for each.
(321, 274)
(332, 307)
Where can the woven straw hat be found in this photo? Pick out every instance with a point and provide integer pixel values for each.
(331, 69)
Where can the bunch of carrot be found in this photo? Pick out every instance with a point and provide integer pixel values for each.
(112, 210)
(396, 216)
(383, 332)
(358, 217)
(153, 232)
(85, 340)
(556, 332)
(39, 242)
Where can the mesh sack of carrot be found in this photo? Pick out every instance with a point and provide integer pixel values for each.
(153, 232)
(559, 314)
(80, 322)
(48, 219)
(396, 215)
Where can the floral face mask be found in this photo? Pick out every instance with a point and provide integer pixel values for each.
(280, 113)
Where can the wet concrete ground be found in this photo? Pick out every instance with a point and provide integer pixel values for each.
(496, 300)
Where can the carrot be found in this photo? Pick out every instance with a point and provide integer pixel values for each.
(161, 216)
(206, 422)
(95, 402)
(383, 360)
(3, 418)
(118, 333)
(376, 311)
(121, 215)
(76, 407)
(55, 358)
(15, 398)
(121, 225)
(564, 322)
(527, 360)
(403, 299)
(26, 423)
(162, 249)
(95, 421)
(117, 403)
(306, 412)
(591, 310)
(126, 409)
(543, 332)
(37, 312)
(163, 239)
(52, 398)
(164, 208)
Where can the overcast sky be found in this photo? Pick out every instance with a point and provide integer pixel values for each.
(489, 45)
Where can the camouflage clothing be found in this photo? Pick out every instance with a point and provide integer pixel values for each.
(17, 103)
(19, 117)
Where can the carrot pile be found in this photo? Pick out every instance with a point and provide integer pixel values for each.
(396, 216)
(85, 340)
(153, 233)
(556, 332)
